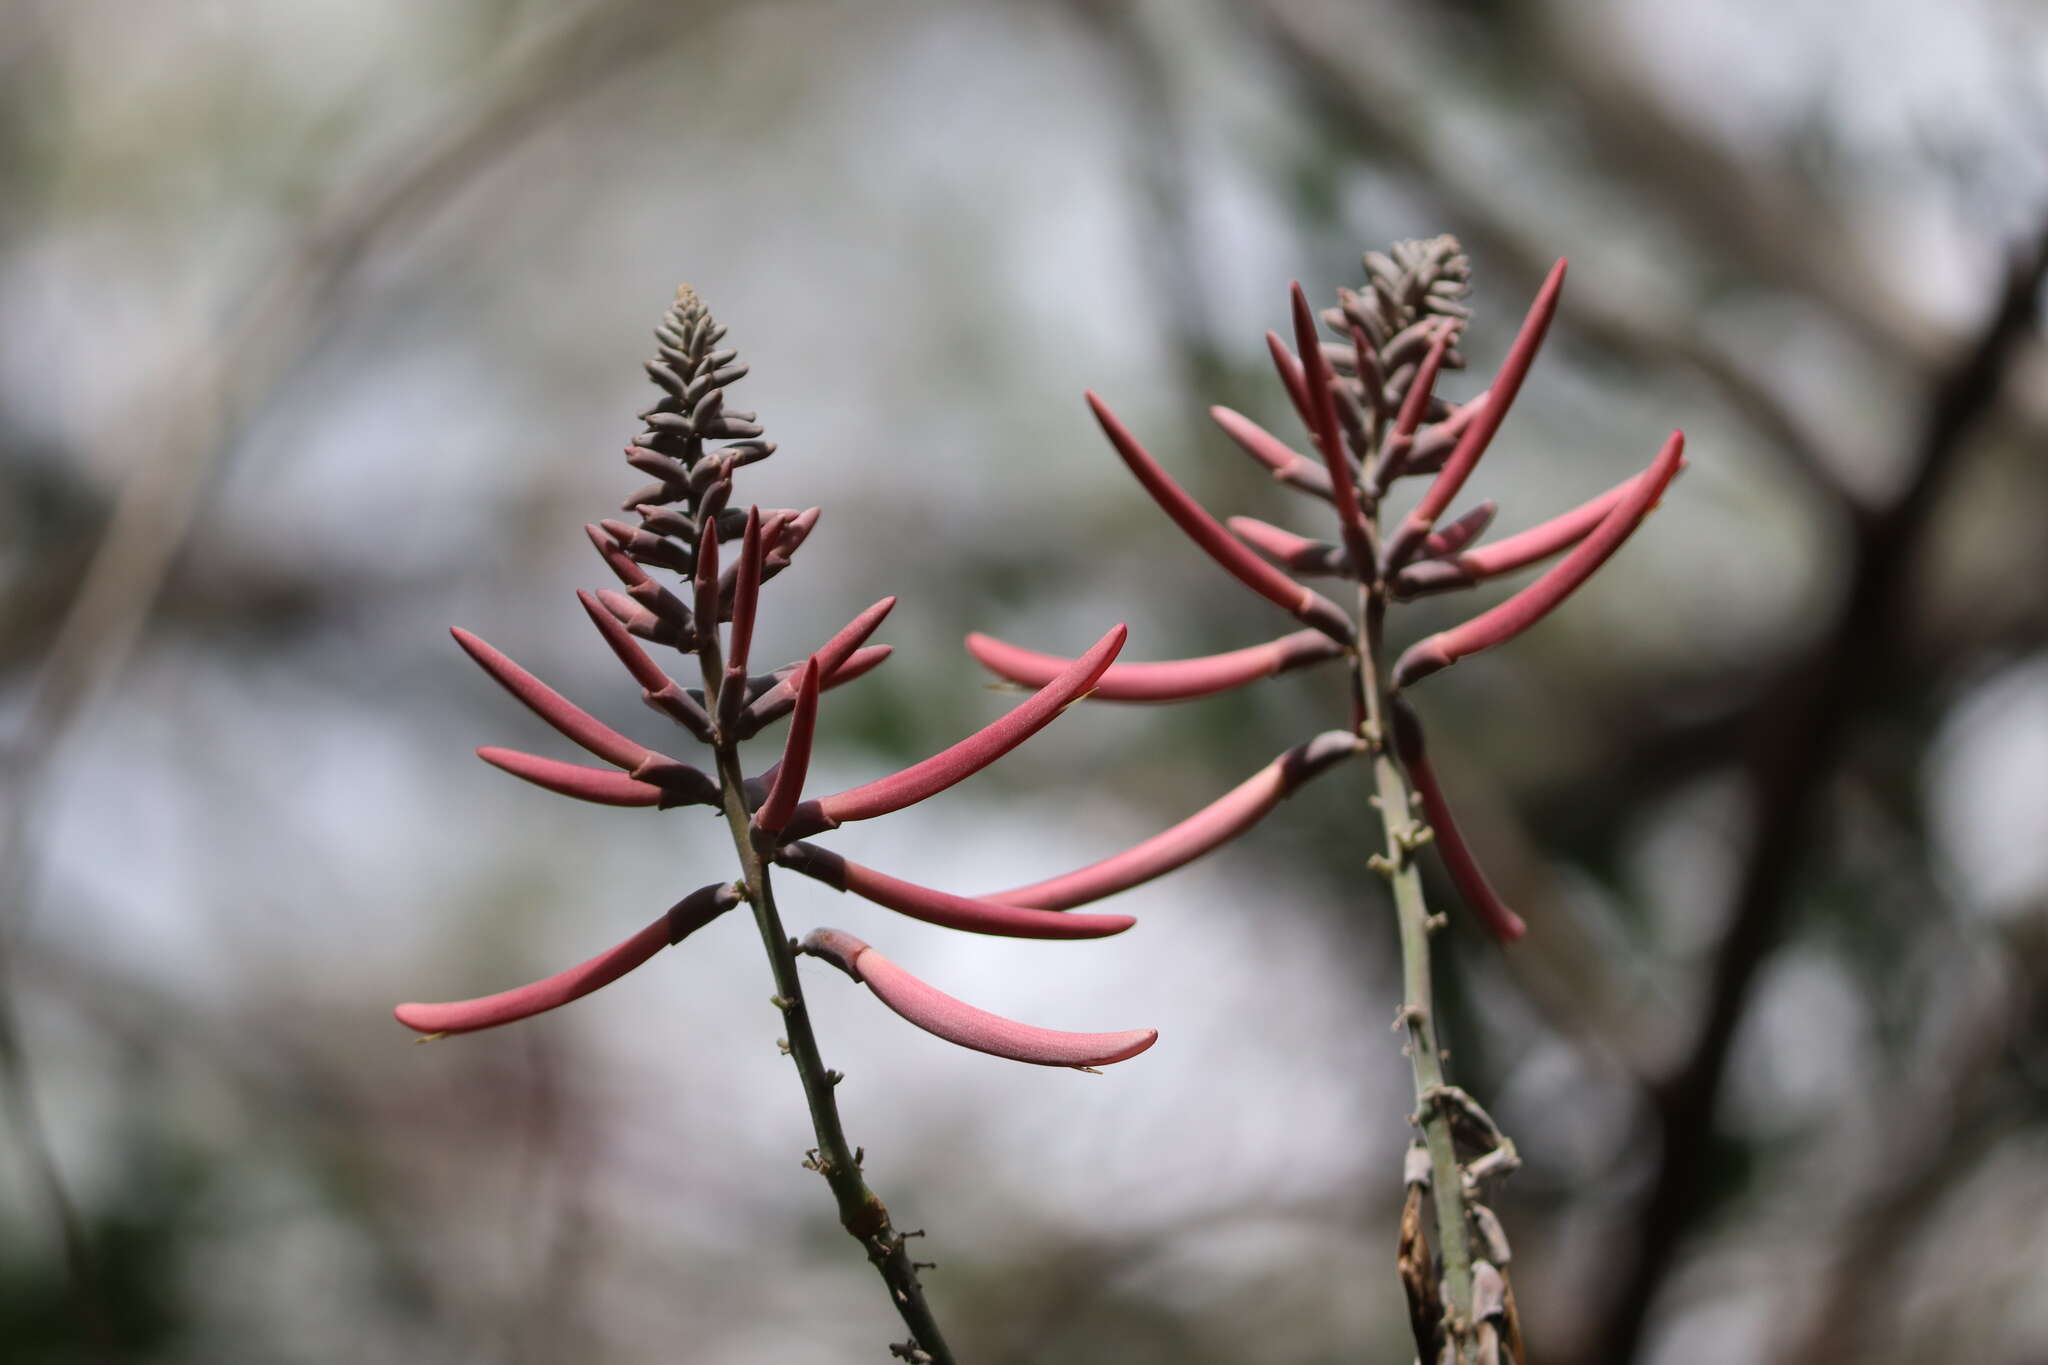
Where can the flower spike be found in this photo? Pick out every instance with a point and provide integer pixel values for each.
(976, 916)
(1506, 925)
(1208, 828)
(969, 756)
(1540, 598)
(684, 918)
(1171, 680)
(1480, 432)
(938, 1013)
(1311, 608)
(796, 756)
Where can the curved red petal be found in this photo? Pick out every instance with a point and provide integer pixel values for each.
(940, 1014)
(942, 907)
(796, 755)
(700, 907)
(1539, 599)
(1215, 824)
(552, 707)
(1262, 578)
(1165, 680)
(1480, 431)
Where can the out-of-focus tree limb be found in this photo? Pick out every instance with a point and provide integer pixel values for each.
(1800, 737)
(181, 424)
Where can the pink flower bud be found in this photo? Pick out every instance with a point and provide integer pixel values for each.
(704, 578)
(1540, 598)
(1480, 432)
(682, 785)
(1323, 405)
(746, 593)
(686, 916)
(943, 908)
(658, 690)
(1296, 554)
(966, 758)
(1208, 828)
(1309, 607)
(1461, 532)
(1170, 680)
(552, 707)
(1292, 379)
(1288, 465)
(938, 1013)
(796, 756)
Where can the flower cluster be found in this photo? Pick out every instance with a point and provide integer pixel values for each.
(1369, 405)
(691, 448)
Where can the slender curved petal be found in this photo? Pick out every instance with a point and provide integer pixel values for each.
(796, 756)
(667, 783)
(1540, 598)
(1295, 553)
(1310, 607)
(1479, 433)
(957, 1022)
(685, 917)
(969, 756)
(1291, 378)
(1323, 404)
(1210, 827)
(1288, 465)
(1506, 925)
(552, 707)
(1169, 680)
(941, 907)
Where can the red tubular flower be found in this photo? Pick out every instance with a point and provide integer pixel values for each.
(1506, 925)
(1289, 466)
(976, 916)
(746, 595)
(966, 758)
(1449, 569)
(1540, 598)
(1210, 827)
(1170, 680)
(796, 755)
(1323, 404)
(1479, 433)
(658, 689)
(1292, 379)
(1461, 532)
(685, 917)
(663, 782)
(938, 1013)
(1414, 404)
(1310, 607)
(840, 659)
(705, 577)
(1296, 554)
(552, 707)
